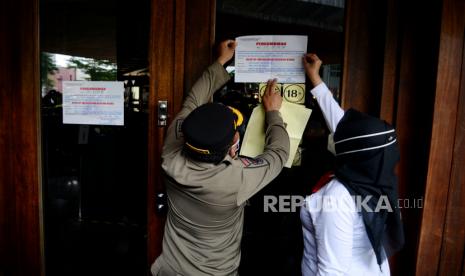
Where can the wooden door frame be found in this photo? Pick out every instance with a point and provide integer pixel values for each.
(430, 130)
(166, 44)
(21, 243)
(442, 240)
(181, 42)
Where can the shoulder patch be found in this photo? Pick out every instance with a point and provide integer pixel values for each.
(253, 162)
(179, 133)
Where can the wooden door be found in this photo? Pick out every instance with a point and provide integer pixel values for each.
(20, 217)
(180, 49)
(409, 71)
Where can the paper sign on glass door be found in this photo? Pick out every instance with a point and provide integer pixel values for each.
(93, 102)
(263, 57)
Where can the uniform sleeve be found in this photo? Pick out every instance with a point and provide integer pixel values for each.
(334, 235)
(332, 112)
(201, 93)
(259, 171)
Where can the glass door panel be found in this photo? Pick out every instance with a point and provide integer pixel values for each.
(94, 172)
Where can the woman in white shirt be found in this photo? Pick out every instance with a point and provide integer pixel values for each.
(350, 223)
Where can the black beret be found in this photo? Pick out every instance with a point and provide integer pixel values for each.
(209, 129)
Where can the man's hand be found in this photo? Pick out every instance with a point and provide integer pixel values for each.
(226, 51)
(271, 100)
(312, 66)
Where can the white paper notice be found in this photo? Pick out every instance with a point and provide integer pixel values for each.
(263, 57)
(93, 102)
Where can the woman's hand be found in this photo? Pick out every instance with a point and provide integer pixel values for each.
(312, 64)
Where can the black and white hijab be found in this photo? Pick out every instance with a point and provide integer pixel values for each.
(366, 154)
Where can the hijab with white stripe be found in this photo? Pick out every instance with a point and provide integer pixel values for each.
(366, 155)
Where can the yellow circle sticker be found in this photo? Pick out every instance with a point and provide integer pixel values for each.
(294, 93)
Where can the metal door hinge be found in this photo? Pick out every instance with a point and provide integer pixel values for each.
(162, 113)
(161, 203)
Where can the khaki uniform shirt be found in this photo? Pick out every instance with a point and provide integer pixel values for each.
(203, 230)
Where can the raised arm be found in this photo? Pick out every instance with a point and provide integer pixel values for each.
(201, 93)
(260, 171)
(332, 112)
(211, 80)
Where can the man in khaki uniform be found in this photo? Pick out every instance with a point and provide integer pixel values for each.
(207, 184)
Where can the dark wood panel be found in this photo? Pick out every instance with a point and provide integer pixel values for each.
(166, 55)
(180, 47)
(20, 178)
(161, 52)
(401, 91)
(463, 269)
(389, 91)
(417, 75)
(200, 36)
(390, 85)
(391, 62)
(363, 55)
(453, 242)
(5, 123)
(442, 139)
(6, 208)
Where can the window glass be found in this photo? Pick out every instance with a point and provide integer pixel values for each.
(94, 172)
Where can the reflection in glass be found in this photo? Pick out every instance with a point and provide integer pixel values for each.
(94, 176)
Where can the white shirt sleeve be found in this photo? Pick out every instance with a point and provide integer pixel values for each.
(332, 112)
(334, 232)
